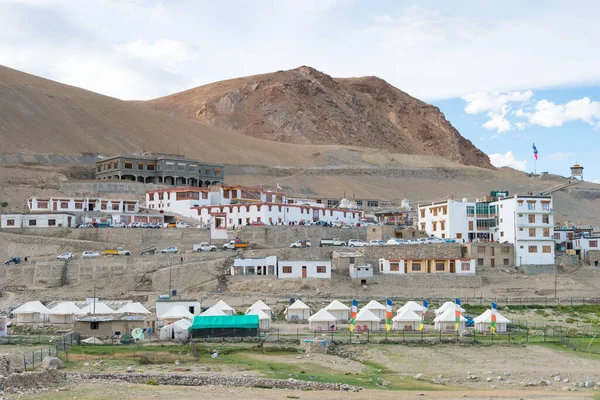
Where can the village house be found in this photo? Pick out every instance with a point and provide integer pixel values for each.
(489, 254)
(386, 232)
(108, 326)
(37, 220)
(81, 205)
(304, 269)
(265, 266)
(401, 266)
(344, 260)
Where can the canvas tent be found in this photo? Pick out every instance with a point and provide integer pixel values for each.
(483, 322)
(297, 311)
(447, 321)
(260, 305)
(366, 320)
(177, 331)
(133, 308)
(221, 305)
(175, 314)
(339, 310)
(264, 320)
(376, 308)
(322, 321)
(92, 340)
(63, 313)
(31, 312)
(406, 320)
(212, 312)
(448, 306)
(100, 308)
(412, 306)
(225, 326)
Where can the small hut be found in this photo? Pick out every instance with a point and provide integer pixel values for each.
(483, 322)
(446, 321)
(376, 308)
(297, 311)
(339, 310)
(31, 312)
(406, 320)
(260, 305)
(264, 320)
(64, 313)
(322, 321)
(366, 320)
(177, 331)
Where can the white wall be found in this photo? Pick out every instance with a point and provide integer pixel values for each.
(311, 269)
(255, 262)
(80, 205)
(466, 267)
(17, 220)
(384, 267)
(364, 271)
(43, 220)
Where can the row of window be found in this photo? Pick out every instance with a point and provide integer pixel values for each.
(534, 249)
(532, 203)
(168, 167)
(31, 222)
(321, 269)
(480, 262)
(439, 266)
(481, 250)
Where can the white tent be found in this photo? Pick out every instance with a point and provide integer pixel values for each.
(133, 308)
(92, 340)
(448, 306)
(100, 308)
(412, 306)
(406, 320)
(212, 312)
(175, 314)
(63, 313)
(483, 321)
(366, 320)
(260, 305)
(339, 310)
(264, 320)
(447, 321)
(178, 330)
(322, 321)
(297, 311)
(31, 312)
(376, 308)
(221, 305)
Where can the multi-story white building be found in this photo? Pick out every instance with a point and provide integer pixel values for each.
(180, 200)
(37, 220)
(65, 204)
(525, 221)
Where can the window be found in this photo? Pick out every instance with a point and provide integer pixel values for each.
(422, 212)
(520, 202)
(94, 325)
(150, 167)
(64, 204)
(79, 206)
(321, 269)
(434, 224)
(531, 218)
(459, 235)
(546, 249)
(521, 229)
(533, 249)
(546, 232)
(556, 236)
(10, 222)
(506, 261)
(286, 270)
(395, 266)
(352, 260)
(169, 167)
(546, 206)
(416, 266)
(531, 232)
(140, 165)
(103, 206)
(128, 165)
(217, 171)
(422, 226)
(440, 266)
(480, 262)
(593, 243)
(480, 249)
(181, 167)
(465, 266)
(520, 215)
(546, 219)
(501, 233)
(32, 222)
(51, 222)
(531, 205)
(505, 249)
(115, 206)
(98, 168)
(372, 203)
(470, 211)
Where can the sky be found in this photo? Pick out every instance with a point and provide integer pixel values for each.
(506, 74)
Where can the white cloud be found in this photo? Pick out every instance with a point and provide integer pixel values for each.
(497, 122)
(508, 160)
(497, 102)
(559, 156)
(549, 114)
(163, 51)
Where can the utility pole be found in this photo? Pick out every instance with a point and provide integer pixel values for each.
(94, 304)
(170, 269)
(555, 281)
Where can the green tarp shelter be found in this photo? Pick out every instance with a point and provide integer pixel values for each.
(224, 326)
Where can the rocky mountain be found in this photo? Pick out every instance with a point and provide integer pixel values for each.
(305, 106)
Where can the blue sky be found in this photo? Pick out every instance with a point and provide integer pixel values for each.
(506, 74)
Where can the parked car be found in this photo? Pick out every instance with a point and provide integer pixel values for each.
(85, 226)
(14, 260)
(300, 243)
(65, 256)
(449, 241)
(89, 254)
(150, 250)
(118, 225)
(204, 246)
(356, 243)
(376, 243)
(133, 225)
(170, 250)
(235, 244)
(144, 225)
(258, 223)
(321, 223)
(331, 242)
(181, 224)
(116, 251)
(155, 225)
(434, 240)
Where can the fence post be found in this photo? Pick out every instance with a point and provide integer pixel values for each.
(24, 363)
(277, 334)
(527, 331)
(546, 327)
(440, 334)
(298, 335)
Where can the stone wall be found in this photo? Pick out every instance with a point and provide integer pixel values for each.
(593, 257)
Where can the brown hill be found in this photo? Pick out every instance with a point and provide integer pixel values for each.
(305, 106)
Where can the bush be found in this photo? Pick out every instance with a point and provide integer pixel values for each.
(569, 320)
(145, 360)
(4, 204)
(152, 382)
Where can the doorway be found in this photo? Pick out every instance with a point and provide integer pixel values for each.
(452, 266)
(303, 271)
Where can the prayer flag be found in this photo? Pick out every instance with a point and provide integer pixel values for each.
(457, 313)
(354, 312)
(493, 323)
(535, 152)
(425, 305)
(388, 315)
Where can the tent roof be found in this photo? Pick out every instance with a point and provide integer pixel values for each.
(101, 308)
(133, 308)
(92, 340)
(177, 312)
(367, 316)
(322, 316)
(336, 305)
(413, 306)
(298, 304)
(487, 317)
(449, 316)
(221, 305)
(31, 307)
(65, 308)
(225, 321)
(213, 311)
(449, 305)
(374, 305)
(261, 314)
(261, 305)
(406, 315)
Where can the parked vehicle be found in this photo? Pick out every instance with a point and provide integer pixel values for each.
(413, 241)
(133, 225)
(356, 243)
(395, 242)
(300, 244)
(205, 246)
(89, 254)
(170, 250)
(81, 226)
(376, 243)
(118, 225)
(449, 241)
(155, 225)
(181, 224)
(331, 242)
(151, 251)
(116, 251)
(14, 260)
(321, 223)
(144, 225)
(235, 244)
(65, 256)
(258, 223)
(435, 240)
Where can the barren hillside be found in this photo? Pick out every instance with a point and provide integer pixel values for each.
(306, 106)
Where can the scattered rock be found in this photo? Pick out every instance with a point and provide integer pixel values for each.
(489, 373)
(589, 384)
(87, 364)
(566, 380)
(130, 369)
(52, 363)
(500, 378)
(493, 386)
(419, 376)
(557, 378)
(548, 382)
(177, 363)
(507, 374)
(488, 379)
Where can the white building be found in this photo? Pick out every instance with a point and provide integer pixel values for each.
(402, 266)
(376, 308)
(264, 320)
(525, 221)
(37, 221)
(264, 266)
(446, 322)
(304, 269)
(585, 244)
(180, 200)
(31, 312)
(162, 306)
(66, 204)
(360, 272)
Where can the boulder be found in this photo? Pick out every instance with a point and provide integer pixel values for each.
(52, 363)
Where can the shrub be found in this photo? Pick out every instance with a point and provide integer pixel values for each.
(152, 382)
(4, 204)
(569, 320)
(145, 360)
